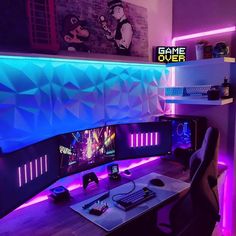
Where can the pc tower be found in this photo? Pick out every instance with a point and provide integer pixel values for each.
(187, 136)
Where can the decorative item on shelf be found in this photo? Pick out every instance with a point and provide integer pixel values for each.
(221, 50)
(214, 93)
(203, 50)
(225, 88)
(169, 54)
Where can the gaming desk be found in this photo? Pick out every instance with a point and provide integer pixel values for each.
(49, 218)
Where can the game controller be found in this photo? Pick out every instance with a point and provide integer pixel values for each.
(88, 178)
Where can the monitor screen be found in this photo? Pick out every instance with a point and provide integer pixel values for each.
(143, 140)
(85, 149)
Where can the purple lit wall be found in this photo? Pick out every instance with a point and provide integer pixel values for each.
(204, 16)
(198, 16)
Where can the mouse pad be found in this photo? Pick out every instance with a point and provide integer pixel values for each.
(114, 217)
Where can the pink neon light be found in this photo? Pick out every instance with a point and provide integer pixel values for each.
(41, 165)
(132, 140)
(136, 140)
(136, 164)
(74, 186)
(25, 169)
(19, 176)
(46, 163)
(33, 201)
(224, 202)
(222, 163)
(151, 143)
(141, 145)
(36, 168)
(156, 138)
(31, 171)
(206, 33)
(146, 143)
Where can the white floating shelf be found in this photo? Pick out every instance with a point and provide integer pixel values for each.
(197, 101)
(203, 62)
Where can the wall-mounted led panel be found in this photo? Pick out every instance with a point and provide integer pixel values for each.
(32, 170)
(138, 140)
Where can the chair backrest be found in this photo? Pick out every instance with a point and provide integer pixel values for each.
(197, 212)
(203, 170)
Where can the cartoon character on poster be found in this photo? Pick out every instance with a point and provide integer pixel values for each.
(122, 35)
(75, 34)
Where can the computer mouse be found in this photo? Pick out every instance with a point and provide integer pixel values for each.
(157, 182)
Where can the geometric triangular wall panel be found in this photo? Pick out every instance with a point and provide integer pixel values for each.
(43, 97)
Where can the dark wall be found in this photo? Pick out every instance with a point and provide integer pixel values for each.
(13, 25)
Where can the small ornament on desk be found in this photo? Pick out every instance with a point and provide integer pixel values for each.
(98, 208)
(59, 193)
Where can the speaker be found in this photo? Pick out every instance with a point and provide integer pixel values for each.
(59, 193)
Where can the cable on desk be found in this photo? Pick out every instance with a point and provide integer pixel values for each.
(121, 194)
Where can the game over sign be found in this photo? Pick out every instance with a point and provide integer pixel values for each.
(165, 54)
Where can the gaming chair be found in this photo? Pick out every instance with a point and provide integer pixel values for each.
(197, 212)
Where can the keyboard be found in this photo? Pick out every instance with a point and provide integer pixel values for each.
(133, 199)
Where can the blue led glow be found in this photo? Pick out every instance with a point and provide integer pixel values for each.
(44, 96)
(87, 61)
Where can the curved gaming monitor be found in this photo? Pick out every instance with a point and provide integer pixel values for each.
(85, 149)
(31, 169)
